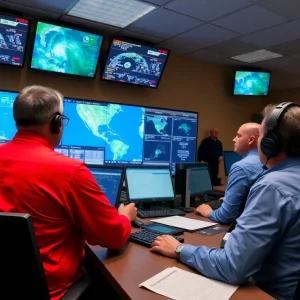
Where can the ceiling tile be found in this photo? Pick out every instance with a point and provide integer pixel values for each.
(163, 24)
(276, 63)
(232, 62)
(275, 35)
(287, 49)
(287, 8)
(197, 38)
(57, 6)
(157, 2)
(205, 55)
(142, 37)
(232, 48)
(242, 21)
(206, 10)
(99, 27)
(27, 11)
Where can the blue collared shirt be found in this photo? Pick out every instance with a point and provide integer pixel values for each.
(265, 244)
(242, 176)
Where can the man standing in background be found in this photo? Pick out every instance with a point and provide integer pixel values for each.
(211, 152)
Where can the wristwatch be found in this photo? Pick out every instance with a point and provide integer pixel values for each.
(178, 249)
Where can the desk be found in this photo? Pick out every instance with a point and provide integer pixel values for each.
(132, 265)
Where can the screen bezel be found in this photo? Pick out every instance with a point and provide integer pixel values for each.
(127, 40)
(27, 39)
(121, 179)
(149, 200)
(72, 27)
(224, 159)
(253, 71)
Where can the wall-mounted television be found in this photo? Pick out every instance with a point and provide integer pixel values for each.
(64, 50)
(251, 83)
(134, 63)
(13, 40)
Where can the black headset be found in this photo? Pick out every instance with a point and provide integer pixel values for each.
(271, 143)
(55, 123)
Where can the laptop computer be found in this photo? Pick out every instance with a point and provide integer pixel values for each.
(110, 179)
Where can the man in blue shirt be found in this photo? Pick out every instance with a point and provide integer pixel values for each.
(264, 246)
(241, 177)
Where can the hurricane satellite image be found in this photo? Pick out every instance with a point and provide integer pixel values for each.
(65, 50)
(185, 127)
(251, 83)
(7, 122)
(106, 125)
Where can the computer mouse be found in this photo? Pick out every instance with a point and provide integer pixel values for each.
(137, 223)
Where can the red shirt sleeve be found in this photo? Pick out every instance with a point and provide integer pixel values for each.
(91, 211)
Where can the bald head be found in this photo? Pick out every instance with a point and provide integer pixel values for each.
(246, 138)
(214, 132)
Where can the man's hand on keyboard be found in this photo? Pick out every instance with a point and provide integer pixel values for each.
(129, 211)
(204, 210)
(166, 245)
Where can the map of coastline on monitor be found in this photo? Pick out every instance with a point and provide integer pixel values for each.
(13, 40)
(134, 63)
(64, 50)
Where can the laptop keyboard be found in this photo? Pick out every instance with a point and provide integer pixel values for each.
(146, 237)
(167, 212)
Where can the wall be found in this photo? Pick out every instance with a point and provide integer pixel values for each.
(187, 84)
(292, 95)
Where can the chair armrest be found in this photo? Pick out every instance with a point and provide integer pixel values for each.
(78, 288)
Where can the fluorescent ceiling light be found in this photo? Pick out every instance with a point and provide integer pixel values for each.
(255, 56)
(119, 13)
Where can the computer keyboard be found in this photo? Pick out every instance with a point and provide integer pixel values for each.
(146, 237)
(167, 212)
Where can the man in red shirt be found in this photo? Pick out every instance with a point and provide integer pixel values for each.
(66, 204)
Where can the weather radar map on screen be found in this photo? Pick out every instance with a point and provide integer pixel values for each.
(134, 63)
(251, 83)
(65, 50)
(13, 39)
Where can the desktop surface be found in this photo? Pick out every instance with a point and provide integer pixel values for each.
(125, 276)
(110, 181)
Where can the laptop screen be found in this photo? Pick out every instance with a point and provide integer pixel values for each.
(149, 184)
(199, 181)
(110, 181)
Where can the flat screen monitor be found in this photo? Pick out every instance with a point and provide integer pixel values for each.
(64, 50)
(110, 180)
(149, 184)
(230, 157)
(13, 40)
(249, 83)
(7, 123)
(180, 175)
(199, 181)
(134, 63)
(118, 134)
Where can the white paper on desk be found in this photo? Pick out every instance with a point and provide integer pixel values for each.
(184, 223)
(178, 284)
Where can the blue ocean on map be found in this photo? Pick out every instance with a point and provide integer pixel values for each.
(76, 133)
(185, 127)
(127, 127)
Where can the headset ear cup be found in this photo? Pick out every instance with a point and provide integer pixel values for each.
(270, 146)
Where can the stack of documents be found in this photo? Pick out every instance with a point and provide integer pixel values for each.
(184, 223)
(178, 284)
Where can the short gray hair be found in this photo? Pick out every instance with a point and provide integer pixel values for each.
(288, 130)
(35, 105)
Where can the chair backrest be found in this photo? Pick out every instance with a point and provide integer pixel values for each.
(22, 274)
(297, 293)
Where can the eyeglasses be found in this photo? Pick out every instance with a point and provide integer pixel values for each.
(65, 120)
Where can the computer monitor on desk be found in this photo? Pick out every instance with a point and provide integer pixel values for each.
(110, 180)
(230, 157)
(149, 185)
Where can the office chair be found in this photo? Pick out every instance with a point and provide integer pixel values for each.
(297, 293)
(21, 271)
